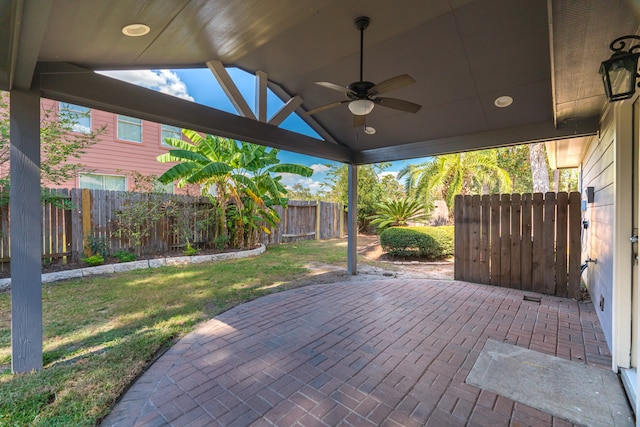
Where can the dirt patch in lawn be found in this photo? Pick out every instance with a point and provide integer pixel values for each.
(373, 261)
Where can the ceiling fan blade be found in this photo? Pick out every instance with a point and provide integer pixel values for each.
(325, 107)
(335, 87)
(358, 120)
(398, 104)
(394, 83)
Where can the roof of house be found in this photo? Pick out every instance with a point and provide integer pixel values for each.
(463, 55)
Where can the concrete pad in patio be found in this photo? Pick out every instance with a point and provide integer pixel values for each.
(360, 353)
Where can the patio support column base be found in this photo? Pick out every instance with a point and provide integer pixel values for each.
(26, 232)
(352, 221)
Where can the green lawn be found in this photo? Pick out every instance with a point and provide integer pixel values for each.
(100, 333)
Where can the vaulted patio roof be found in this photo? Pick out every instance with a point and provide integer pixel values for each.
(463, 54)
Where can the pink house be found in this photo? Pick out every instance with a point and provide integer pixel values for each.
(128, 145)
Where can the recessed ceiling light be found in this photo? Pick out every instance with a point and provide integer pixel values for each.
(135, 30)
(369, 130)
(503, 101)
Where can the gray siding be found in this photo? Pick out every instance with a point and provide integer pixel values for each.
(598, 171)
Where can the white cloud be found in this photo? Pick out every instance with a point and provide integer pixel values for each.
(289, 180)
(164, 81)
(319, 168)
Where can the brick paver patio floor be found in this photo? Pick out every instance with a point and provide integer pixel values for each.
(360, 353)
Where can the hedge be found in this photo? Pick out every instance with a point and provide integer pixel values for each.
(428, 242)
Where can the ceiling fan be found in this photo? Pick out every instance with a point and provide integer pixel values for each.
(363, 96)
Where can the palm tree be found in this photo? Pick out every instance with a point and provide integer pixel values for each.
(398, 212)
(450, 174)
(244, 177)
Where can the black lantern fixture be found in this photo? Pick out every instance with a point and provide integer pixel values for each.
(620, 71)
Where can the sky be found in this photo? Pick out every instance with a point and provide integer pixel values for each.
(200, 86)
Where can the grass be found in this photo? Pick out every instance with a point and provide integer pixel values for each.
(100, 333)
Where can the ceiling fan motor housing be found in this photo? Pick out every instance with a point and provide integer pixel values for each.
(360, 89)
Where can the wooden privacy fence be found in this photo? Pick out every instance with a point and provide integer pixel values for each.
(307, 220)
(528, 241)
(67, 232)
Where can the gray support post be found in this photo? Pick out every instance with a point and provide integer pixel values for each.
(26, 232)
(352, 221)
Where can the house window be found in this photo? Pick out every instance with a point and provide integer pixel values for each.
(169, 132)
(129, 128)
(75, 117)
(103, 182)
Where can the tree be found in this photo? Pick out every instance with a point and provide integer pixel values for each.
(391, 187)
(370, 188)
(539, 168)
(515, 160)
(299, 192)
(443, 177)
(60, 145)
(243, 177)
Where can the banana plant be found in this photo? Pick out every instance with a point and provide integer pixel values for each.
(245, 177)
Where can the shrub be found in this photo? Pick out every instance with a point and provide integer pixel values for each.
(94, 260)
(429, 242)
(190, 250)
(124, 256)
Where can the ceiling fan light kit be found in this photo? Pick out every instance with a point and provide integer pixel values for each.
(361, 107)
(363, 95)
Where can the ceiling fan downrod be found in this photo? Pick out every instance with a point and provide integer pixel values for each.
(361, 24)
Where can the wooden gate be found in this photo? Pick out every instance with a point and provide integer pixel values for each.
(528, 241)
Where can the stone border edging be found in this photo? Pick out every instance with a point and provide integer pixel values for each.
(5, 284)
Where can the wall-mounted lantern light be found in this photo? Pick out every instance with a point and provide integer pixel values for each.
(620, 71)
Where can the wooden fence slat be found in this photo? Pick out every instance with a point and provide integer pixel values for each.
(68, 229)
(5, 232)
(474, 238)
(86, 218)
(548, 243)
(485, 248)
(575, 229)
(59, 234)
(516, 237)
(537, 260)
(495, 240)
(76, 225)
(459, 230)
(466, 236)
(526, 246)
(505, 240)
(562, 203)
(46, 228)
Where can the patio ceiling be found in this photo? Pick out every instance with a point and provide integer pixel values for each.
(462, 53)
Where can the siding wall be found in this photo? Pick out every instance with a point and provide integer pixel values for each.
(117, 157)
(598, 171)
